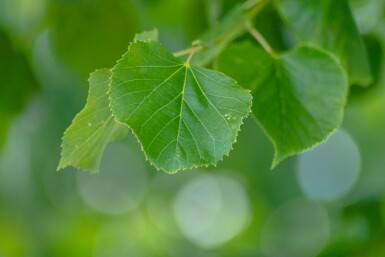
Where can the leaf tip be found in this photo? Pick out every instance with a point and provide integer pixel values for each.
(278, 158)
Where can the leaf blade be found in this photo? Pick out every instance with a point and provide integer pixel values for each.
(172, 107)
(298, 98)
(147, 35)
(91, 129)
(330, 24)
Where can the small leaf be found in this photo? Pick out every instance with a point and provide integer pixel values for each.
(330, 25)
(147, 35)
(92, 129)
(298, 98)
(183, 115)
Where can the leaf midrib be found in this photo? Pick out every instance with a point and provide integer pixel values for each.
(180, 115)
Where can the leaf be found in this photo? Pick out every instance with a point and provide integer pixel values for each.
(147, 35)
(236, 62)
(330, 25)
(367, 13)
(92, 129)
(298, 98)
(183, 115)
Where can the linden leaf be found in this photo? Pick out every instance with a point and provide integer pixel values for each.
(183, 115)
(147, 35)
(298, 97)
(330, 25)
(92, 129)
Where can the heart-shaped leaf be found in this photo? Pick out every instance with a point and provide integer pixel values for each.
(298, 98)
(183, 115)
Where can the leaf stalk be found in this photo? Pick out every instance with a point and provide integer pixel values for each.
(253, 7)
(188, 51)
(260, 39)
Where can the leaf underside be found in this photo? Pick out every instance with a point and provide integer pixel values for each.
(298, 98)
(183, 115)
(92, 129)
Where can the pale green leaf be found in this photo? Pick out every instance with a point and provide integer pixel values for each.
(330, 24)
(91, 130)
(147, 35)
(183, 115)
(368, 13)
(298, 98)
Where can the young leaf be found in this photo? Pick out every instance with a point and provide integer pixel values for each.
(183, 115)
(298, 98)
(91, 130)
(330, 24)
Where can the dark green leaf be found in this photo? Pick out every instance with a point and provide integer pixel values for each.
(183, 115)
(298, 98)
(330, 24)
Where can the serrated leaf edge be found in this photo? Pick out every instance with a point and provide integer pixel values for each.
(62, 166)
(277, 160)
(215, 163)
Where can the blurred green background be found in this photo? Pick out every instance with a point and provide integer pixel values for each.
(329, 201)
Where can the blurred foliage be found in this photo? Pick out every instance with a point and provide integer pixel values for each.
(47, 47)
(89, 34)
(17, 82)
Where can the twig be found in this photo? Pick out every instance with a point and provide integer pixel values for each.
(260, 39)
(187, 51)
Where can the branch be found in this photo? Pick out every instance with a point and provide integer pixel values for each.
(252, 8)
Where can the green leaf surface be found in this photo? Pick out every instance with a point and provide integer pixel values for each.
(298, 98)
(330, 25)
(183, 115)
(147, 35)
(235, 61)
(92, 129)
